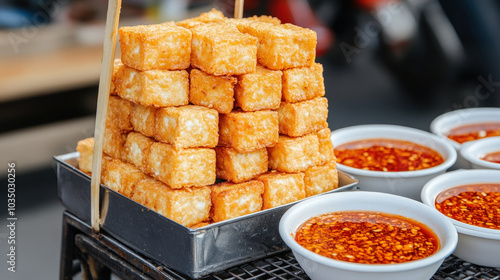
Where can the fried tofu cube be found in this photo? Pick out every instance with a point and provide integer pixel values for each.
(136, 150)
(231, 200)
(114, 142)
(282, 46)
(239, 167)
(158, 46)
(238, 22)
(264, 18)
(122, 177)
(117, 64)
(211, 16)
(294, 154)
(303, 83)
(281, 188)
(158, 88)
(187, 206)
(300, 118)
(142, 119)
(118, 114)
(325, 145)
(128, 83)
(161, 88)
(322, 178)
(260, 90)
(220, 49)
(180, 168)
(248, 131)
(211, 91)
(146, 192)
(187, 126)
(86, 149)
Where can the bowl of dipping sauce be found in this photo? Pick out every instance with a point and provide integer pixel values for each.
(390, 158)
(470, 199)
(482, 154)
(466, 125)
(367, 235)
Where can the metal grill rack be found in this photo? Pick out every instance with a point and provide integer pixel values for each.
(99, 256)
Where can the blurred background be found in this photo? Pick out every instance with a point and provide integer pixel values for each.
(392, 62)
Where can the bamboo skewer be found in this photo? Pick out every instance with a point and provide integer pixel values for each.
(238, 8)
(110, 33)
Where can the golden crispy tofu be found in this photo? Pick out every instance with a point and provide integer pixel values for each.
(303, 83)
(281, 188)
(282, 46)
(142, 119)
(260, 90)
(300, 118)
(220, 49)
(180, 168)
(127, 83)
(325, 145)
(187, 126)
(146, 192)
(264, 18)
(117, 64)
(187, 206)
(322, 178)
(114, 142)
(238, 22)
(86, 149)
(189, 23)
(118, 114)
(239, 167)
(158, 88)
(294, 154)
(136, 150)
(213, 15)
(216, 92)
(248, 131)
(121, 177)
(158, 46)
(162, 88)
(231, 200)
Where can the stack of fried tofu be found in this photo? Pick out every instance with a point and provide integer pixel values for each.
(240, 101)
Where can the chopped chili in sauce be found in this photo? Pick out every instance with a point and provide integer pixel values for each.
(474, 131)
(476, 204)
(367, 237)
(492, 157)
(387, 155)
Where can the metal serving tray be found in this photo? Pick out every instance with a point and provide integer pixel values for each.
(193, 252)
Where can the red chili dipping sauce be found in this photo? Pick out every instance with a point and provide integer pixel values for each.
(476, 204)
(387, 155)
(474, 131)
(492, 157)
(367, 237)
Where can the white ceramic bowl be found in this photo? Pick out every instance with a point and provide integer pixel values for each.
(475, 244)
(404, 183)
(319, 267)
(473, 151)
(442, 124)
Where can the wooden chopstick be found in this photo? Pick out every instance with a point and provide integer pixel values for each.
(108, 57)
(238, 8)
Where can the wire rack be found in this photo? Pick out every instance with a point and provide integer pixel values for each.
(285, 266)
